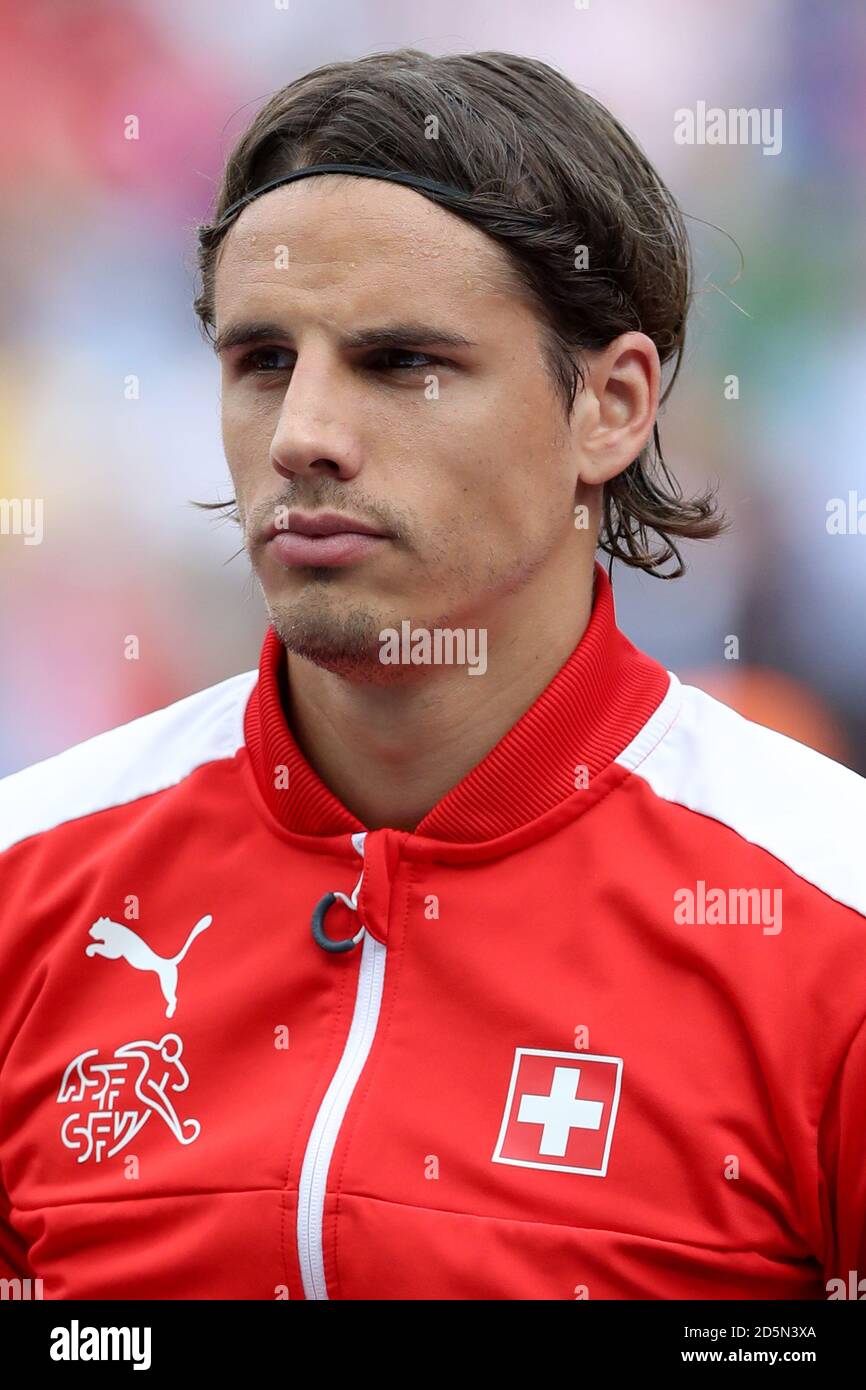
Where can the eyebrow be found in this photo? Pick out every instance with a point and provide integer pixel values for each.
(391, 335)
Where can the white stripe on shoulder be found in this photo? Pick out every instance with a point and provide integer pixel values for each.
(803, 808)
(133, 760)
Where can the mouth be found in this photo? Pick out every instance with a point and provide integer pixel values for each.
(323, 538)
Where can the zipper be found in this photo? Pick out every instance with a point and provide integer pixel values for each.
(326, 1127)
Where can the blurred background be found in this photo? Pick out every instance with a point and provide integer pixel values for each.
(97, 250)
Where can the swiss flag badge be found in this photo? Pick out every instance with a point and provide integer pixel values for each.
(560, 1111)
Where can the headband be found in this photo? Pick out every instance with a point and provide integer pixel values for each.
(369, 171)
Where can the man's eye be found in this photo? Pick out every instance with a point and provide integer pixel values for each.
(261, 361)
(253, 361)
(393, 359)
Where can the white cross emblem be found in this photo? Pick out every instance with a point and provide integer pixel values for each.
(560, 1112)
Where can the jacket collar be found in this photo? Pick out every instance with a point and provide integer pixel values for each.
(591, 710)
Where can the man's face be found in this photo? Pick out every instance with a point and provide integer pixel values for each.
(458, 452)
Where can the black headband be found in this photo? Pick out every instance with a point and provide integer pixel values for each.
(417, 181)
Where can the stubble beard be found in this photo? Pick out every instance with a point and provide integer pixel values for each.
(318, 625)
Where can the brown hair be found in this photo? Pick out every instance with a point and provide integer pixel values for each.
(545, 169)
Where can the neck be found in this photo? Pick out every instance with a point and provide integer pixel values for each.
(390, 753)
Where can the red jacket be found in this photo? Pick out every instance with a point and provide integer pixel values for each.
(598, 1031)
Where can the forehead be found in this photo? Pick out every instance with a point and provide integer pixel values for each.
(359, 243)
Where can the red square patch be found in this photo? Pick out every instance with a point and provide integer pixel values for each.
(560, 1111)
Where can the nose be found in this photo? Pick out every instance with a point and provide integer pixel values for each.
(313, 433)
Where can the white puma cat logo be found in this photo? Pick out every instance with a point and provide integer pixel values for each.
(114, 940)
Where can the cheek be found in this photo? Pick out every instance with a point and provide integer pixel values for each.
(229, 421)
(246, 435)
(512, 475)
(237, 419)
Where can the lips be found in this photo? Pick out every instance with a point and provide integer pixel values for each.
(323, 539)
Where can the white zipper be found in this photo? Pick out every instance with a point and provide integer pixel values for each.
(323, 1136)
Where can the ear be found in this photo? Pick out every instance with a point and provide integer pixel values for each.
(617, 407)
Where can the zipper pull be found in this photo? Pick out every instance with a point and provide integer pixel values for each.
(318, 920)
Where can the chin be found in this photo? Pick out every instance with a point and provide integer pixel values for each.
(339, 636)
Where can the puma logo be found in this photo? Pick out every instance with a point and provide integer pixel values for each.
(113, 940)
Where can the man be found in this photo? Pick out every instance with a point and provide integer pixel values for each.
(460, 951)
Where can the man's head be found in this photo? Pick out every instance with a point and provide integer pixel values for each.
(460, 370)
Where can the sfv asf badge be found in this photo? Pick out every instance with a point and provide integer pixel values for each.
(560, 1111)
(118, 1096)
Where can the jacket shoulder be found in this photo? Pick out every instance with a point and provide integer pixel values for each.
(800, 806)
(133, 760)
